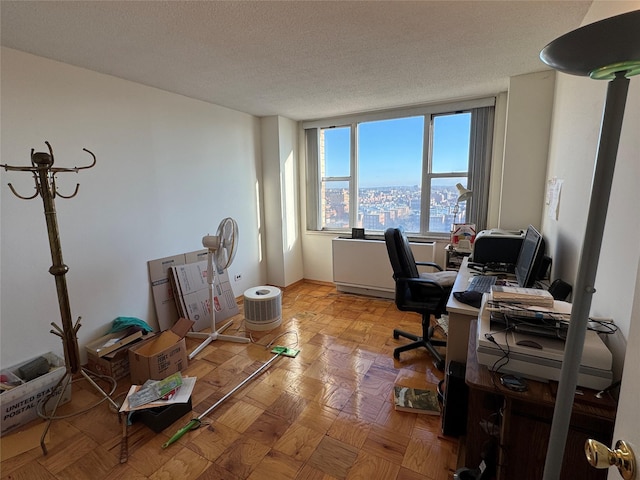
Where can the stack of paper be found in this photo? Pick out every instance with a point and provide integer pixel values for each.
(182, 395)
(524, 296)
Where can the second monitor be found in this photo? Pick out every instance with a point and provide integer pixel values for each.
(530, 264)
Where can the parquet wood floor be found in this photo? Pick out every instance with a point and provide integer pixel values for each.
(327, 414)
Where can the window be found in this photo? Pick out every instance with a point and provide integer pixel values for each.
(387, 169)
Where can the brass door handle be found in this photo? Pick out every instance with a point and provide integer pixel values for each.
(601, 456)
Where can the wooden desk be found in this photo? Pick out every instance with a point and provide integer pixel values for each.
(524, 421)
(460, 316)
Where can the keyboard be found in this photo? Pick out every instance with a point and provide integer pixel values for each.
(481, 283)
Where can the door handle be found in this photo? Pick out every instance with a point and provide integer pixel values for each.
(601, 456)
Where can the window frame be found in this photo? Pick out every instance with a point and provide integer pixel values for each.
(477, 173)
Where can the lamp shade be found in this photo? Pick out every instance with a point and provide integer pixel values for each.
(600, 50)
(464, 194)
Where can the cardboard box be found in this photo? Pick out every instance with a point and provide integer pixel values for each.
(196, 307)
(463, 235)
(161, 289)
(18, 406)
(161, 355)
(163, 298)
(111, 342)
(114, 364)
(191, 292)
(189, 279)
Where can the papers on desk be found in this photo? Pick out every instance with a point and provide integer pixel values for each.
(559, 311)
(522, 296)
(182, 396)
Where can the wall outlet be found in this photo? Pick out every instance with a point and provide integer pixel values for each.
(238, 277)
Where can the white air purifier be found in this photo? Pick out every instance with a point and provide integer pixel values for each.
(262, 308)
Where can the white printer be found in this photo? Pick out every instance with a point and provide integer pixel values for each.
(540, 358)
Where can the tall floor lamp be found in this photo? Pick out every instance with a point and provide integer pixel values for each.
(608, 50)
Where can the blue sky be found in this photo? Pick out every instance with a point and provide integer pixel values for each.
(390, 151)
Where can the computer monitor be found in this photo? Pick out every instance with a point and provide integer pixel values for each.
(530, 258)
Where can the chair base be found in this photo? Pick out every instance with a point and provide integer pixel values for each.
(418, 341)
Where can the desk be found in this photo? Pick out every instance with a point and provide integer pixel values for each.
(460, 316)
(523, 433)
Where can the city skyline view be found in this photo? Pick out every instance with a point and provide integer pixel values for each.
(381, 207)
(390, 171)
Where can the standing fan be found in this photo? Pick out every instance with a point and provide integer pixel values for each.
(221, 249)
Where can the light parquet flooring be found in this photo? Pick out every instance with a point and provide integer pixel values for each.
(326, 414)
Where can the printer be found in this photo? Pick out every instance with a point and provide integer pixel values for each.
(540, 358)
(497, 246)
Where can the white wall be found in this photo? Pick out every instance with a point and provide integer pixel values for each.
(526, 146)
(576, 123)
(280, 180)
(169, 168)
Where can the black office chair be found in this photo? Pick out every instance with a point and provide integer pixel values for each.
(425, 293)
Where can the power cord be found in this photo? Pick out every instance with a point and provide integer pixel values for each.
(270, 344)
(504, 360)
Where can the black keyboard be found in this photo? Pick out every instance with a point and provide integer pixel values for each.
(482, 283)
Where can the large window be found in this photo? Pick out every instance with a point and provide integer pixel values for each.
(400, 169)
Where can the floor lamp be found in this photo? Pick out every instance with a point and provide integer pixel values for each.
(607, 50)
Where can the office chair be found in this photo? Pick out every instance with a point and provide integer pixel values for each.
(423, 293)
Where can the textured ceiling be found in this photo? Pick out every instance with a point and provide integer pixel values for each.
(298, 59)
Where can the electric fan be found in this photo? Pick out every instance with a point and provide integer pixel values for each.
(221, 249)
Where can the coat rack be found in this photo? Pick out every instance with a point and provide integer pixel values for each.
(44, 175)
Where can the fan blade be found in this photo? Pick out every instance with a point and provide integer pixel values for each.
(227, 242)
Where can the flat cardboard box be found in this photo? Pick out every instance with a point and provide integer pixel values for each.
(191, 292)
(196, 306)
(188, 281)
(170, 305)
(111, 342)
(161, 355)
(196, 256)
(163, 300)
(18, 405)
(191, 277)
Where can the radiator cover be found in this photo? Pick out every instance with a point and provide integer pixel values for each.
(363, 267)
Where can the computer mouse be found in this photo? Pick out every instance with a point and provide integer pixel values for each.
(529, 343)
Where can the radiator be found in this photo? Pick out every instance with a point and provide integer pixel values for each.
(363, 267)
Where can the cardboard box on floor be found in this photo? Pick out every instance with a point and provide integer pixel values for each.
(115, 364)
(164, 297)
(18, 405)
(161, 355)
(191, 292)
(109, 354)
(163, 300)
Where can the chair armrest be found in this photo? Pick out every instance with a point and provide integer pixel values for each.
(421, 282)
(429, 264)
